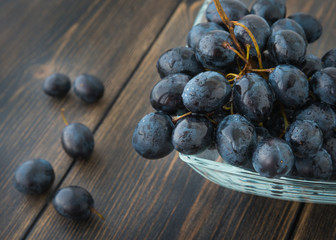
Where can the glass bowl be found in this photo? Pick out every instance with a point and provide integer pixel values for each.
(211, 166)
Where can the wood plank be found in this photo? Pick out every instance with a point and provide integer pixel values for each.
(104, 38)
(317, 221)
(161, 199)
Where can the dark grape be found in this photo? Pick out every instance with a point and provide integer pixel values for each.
(73, 202)
(288, 24)
(77, 140)
(290, 85)
(166, 95)
(305, 138)
(270, 10)
(311, 64)
(329, 59)
(317, 166)
(322, 114)
(88, 88)
(259, 28)
(206, 92)
(57, 85)
(211, 53)
(311, 26)
(287, 47)
(323, 84)
(329, 145)
(236, 139)
(152, 136)
(199, 30)
(193, 134)
(34, 176)
(235, 10)
(273, 157)
(178, 60)
(253, 97)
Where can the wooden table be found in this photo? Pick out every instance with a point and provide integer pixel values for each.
(120, 41)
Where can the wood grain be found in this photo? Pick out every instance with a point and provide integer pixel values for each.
(316, 222)
(161, 199)
(104, 38)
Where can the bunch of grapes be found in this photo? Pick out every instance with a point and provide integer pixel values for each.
(245, 85)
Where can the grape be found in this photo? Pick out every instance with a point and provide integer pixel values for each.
(211, 53)
(152, 136)
(259, 28)
(305, 138)
(311, 26)
(236, 139)
(273, 157)
(270, 10)
(57, 85)
(178, 60)
(311, 64)
(198, 31)
(166, 95)
(323, 84)
(88, 88)
(192, 134)
(235, 10)
(77, 140)
(287, 47)
(315, 166)
(34, 176)
(290, 85)
(253, 97)
(206, 92)
(288, 24)
(73, 202)
(321, 114)
(329, 145)
(329, 59)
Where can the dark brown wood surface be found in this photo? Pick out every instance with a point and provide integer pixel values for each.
(120, 41)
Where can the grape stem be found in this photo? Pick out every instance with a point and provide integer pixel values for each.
(231, 109)
(63, 117)
(180, 117)
(248, 47)
(238, 50)
(226, 108)
(211, 120)
(94, 211)
(233, 75)
(229, 25)
(267, 70)
(228, 46)
(256, 46)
